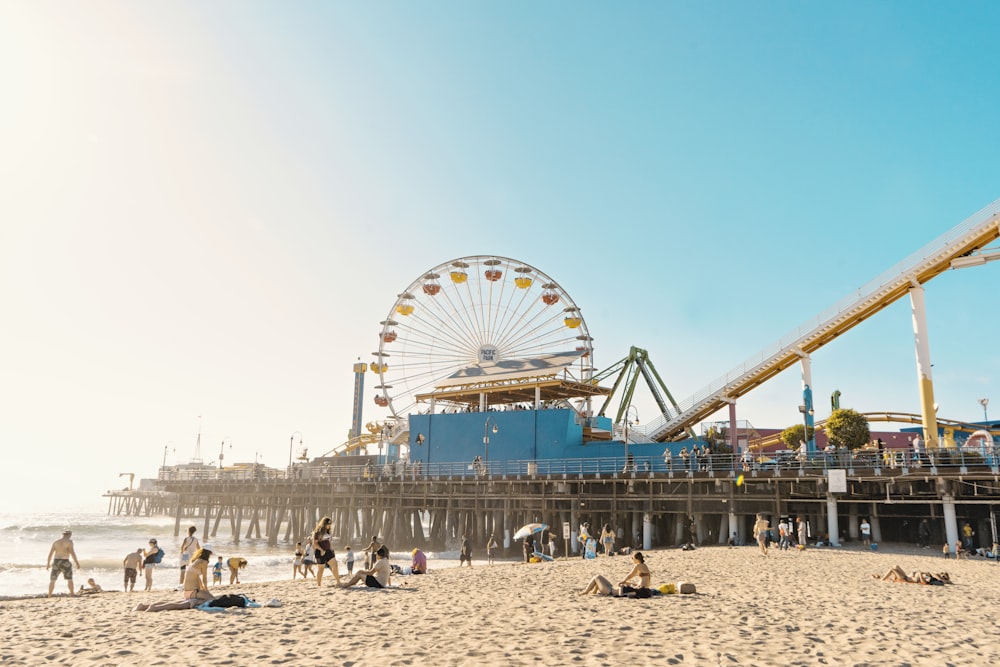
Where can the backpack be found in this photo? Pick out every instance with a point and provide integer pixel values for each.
(158, 556)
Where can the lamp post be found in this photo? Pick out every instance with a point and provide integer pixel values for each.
(486, 436)
(630, 407)
(222, 446)
(166, 448)
(984, 402)
(291, 440)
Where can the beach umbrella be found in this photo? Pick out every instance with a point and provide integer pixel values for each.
(530, 529)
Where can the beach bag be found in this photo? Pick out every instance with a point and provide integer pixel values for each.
(158, 556)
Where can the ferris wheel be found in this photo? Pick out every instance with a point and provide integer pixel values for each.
(467, 311)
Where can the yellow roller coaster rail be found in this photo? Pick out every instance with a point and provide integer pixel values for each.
(961, 243)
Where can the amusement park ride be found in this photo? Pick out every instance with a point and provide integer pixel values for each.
(489, 337)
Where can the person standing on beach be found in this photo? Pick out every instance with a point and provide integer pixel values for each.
(59, 555)
(325, 556)
(491, 549)
(802, 530)
(188, 547)
(866, 532)
(925, 534)
(761, 529)
(370, 552)
(147, 563)
(132, 563)
(349, 561)
(217, 572)
(584, 536)
(466, 555)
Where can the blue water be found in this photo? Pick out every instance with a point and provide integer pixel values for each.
(102, 541)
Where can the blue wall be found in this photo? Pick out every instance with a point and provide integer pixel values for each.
(522, 435)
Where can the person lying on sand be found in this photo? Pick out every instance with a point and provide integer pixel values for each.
(896, 574)
(91, 587)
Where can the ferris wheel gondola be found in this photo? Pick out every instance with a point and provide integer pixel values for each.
(472, 310)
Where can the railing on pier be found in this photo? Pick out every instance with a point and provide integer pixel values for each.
(816, 463)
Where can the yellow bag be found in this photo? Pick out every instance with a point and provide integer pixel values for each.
(668, 589)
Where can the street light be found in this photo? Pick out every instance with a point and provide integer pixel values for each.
(486, 436)
(222, 446)
(291, 440)
(166, 447)
(630, 407)
(984, 402)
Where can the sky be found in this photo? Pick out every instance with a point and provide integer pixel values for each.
(207, 208)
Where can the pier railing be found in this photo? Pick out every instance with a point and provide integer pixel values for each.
(816, 463)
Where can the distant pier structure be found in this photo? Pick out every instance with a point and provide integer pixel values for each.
(652, 505)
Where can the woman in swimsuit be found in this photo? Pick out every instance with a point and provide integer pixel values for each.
(325, 557)
(641, 571)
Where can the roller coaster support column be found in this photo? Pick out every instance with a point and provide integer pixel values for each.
(809, 413)
(923, 350)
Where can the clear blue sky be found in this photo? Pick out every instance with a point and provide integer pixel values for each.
(207, 208)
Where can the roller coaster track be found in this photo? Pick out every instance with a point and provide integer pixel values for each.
(963, 241)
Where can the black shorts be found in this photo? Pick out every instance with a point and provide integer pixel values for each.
(372, 582)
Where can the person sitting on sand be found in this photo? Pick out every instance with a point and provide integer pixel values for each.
(195, 586)
(196, 576)
(418, 564)
(235, 565)
(960, 551)
(599, 585)
(641, 571)
(91, 587)
(379, 576)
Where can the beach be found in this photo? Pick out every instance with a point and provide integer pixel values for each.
(818, 606)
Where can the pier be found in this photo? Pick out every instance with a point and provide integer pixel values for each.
(649, 504)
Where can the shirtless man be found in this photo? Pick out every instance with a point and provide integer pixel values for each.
(132, 564)
(58, 560)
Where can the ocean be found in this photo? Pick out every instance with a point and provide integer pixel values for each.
(102, 541)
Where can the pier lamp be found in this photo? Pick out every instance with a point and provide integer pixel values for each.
(291, 441)
(166, 448)
(222, 446)
(630, 407)
(984, 402)
(486, 436)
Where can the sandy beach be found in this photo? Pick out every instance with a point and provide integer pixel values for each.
(819, 606)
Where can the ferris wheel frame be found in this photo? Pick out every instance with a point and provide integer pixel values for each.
(472, 310)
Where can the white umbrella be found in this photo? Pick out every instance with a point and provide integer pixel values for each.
(530, 529)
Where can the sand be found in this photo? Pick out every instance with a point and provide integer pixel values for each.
(815, 607)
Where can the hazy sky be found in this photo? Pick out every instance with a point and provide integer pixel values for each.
(206, 208)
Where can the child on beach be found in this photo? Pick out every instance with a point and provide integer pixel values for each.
(491, 549)
(349, 561)
(217, 572)
(297, 561)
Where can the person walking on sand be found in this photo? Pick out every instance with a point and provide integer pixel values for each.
(491, 549)
(297, 562)
(59, 556)
(188, 547)
(147, 563)
(608, 540)
(132, 563)
(803, 530)
(761, 528)
(325, 557)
